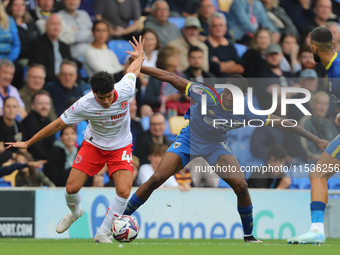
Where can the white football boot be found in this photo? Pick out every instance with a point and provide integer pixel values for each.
(67, 221)
(311, 237)
(102, 238)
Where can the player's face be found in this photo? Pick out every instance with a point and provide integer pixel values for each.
(227, 99)
(105, 100)
(69, 137)
(11, 109)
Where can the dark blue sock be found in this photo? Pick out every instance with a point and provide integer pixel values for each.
(246, 214)
(317, 209)
(133, 204)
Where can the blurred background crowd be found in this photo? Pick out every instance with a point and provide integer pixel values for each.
(50, 48)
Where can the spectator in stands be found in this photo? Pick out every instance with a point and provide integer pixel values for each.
(255, 54)
(27, 29)
(7, 170)
(306, 59)
(9, 38)
(29, 176)
(6, 89)
(301, 13)
(161, 95)
(335, 29)
(158, 20)
(323, 12)
(195, 69)
(279, 18)
(223, 58)
(290, 48)
(97, 56)
(42, 13)
(189, 38)
(155, 135)
(10, 129)
(48, 51)
(36, 120)
(151, 47)
(81, 24)
(119, 13)
(308, 80)
(245, 17)
(155, 155)
(61, 157)
(278, 78)
(206, 10)
(318, 124)
(35, 80)
(136, 126)
(271, 177)
(65, 89)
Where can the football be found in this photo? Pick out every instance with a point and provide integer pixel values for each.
(125, 229)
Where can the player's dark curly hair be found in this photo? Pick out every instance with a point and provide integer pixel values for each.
(239, 81)
(102, 82)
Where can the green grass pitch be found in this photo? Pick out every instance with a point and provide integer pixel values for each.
(9, 246)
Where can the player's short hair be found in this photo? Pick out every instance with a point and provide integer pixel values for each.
(239, 81)
(40, 92)
(102, 82)
(323, 38)
(194, 49)
(158, 149)
(277, 152)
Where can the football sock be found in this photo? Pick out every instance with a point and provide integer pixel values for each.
(72, 201)
(115, 209)
(317, 212)
(246, 214)
(133, 204)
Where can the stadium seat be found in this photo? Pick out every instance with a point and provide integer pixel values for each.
(83, 73)
(334, 182)
(216, 4)
(119, 47)
(4, 183)
(240, 48)
(178, 21)
(176, 123)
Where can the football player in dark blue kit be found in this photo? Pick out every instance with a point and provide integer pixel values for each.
(322, 45)
(202, 138)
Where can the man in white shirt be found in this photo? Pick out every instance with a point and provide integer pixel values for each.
(107, 140)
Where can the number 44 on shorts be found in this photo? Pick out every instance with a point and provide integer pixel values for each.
(126, 157)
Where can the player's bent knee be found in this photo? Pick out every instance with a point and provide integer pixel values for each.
(241, 188)
(124, 193)
(71, 189)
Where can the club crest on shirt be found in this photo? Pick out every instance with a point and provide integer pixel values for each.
(176, 145)
(123, 105)
(78, 159)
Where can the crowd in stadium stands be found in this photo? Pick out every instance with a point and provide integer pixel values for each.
(50, 48)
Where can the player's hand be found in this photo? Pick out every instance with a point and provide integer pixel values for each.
(37, 164)
(138, 47)
(322, 144)
(337, 119)
(19, 145)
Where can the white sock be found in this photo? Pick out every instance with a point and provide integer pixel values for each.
(115, 209)
(318, 226)
(72, 201)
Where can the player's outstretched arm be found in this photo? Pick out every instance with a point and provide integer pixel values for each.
(137, 54)
(177, 81)
(47, 131)
(298, 130)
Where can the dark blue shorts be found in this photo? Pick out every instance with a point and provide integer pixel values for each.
(188, 148)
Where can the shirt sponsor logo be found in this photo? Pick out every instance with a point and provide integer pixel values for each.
(114, 117)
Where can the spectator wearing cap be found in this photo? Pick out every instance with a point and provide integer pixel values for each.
(223, 58)
(189, 38)
(318, 124)
(275, 77)
(158, 20)
(308, 80)
(245, 17)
